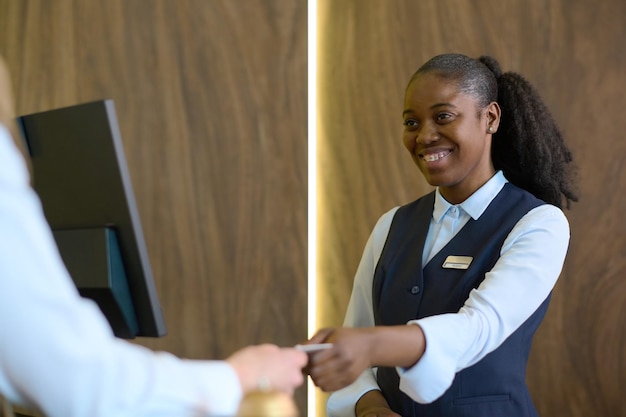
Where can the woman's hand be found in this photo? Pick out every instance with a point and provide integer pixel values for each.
(379, 412)
(374, 404)
(334, 368)
(356, 349)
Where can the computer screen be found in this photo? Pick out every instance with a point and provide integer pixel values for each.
(81, 176)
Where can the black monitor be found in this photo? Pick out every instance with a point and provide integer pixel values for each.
(81, 176)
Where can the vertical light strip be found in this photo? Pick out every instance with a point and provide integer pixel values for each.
(312, 188)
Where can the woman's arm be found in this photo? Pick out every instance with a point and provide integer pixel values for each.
(355, 350)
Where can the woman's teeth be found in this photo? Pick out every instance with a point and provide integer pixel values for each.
(430, 157)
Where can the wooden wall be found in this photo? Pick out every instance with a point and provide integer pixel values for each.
(573, 52)
(211, 98)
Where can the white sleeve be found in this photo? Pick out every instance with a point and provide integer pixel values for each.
(57, 351)
(341, 403)
(531, 260)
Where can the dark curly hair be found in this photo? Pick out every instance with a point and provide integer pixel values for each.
(528, 146)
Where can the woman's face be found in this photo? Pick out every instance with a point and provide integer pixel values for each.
(447, 135)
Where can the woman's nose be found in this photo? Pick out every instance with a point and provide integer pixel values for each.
(427, 136)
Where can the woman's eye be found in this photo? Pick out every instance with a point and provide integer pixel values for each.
(443, 116)
(410, 123)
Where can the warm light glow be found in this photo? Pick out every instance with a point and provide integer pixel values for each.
(312, 189)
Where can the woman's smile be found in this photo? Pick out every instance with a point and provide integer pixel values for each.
(429, 156)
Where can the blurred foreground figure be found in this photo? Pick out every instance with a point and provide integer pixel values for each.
(58, 354)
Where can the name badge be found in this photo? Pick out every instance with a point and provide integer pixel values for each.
(457, 262)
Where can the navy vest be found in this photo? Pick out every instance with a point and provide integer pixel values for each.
(404, 290)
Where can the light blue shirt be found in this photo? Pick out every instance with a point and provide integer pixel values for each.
(531, 260)
(57, 351)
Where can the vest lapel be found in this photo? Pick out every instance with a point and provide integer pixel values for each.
(398, 281)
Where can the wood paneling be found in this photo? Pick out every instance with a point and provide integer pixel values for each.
(212, 105)
(573, 52)
(211, 99)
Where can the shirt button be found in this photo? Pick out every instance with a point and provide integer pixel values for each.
(415, 289)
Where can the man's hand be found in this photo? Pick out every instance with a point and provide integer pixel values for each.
(268, 367)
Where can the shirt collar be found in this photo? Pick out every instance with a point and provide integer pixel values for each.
(475, 204)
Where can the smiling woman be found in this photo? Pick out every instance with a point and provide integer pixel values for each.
(482, 286)
(573, 53)
(449, 135)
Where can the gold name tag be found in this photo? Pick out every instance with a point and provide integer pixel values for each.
(457, 262)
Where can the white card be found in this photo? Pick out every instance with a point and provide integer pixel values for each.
(314, 347)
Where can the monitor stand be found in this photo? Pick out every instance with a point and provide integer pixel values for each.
(93, 258)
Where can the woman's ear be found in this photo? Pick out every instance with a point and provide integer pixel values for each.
(493, 117)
